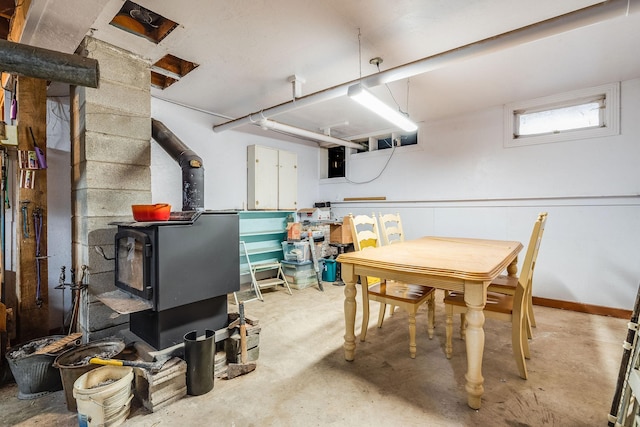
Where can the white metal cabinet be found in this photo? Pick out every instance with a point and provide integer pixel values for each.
(272, 178)
(287, 180)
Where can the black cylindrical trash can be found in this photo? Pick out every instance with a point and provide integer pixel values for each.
(198, 353)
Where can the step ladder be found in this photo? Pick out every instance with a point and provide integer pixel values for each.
(258, 285)
(270, 282)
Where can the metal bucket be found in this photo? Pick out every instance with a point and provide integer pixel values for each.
(34, 373)
(75, 362)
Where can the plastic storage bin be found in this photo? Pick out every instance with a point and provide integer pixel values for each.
(296, 251)
(299, 275)
(297, 269)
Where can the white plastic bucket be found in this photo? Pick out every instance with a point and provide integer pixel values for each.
(103, 405)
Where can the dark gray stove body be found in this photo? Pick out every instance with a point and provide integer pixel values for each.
(183, 268)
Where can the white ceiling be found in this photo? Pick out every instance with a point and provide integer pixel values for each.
(248, 48)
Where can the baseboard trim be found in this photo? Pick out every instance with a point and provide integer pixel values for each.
(583, 308)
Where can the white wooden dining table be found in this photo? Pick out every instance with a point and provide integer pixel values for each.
(449, 263)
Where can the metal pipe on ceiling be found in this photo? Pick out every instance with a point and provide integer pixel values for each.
(553, 26)
(325, 140)
(46, 64)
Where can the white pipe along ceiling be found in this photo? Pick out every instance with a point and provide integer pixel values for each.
(326, 140)
(559, 24)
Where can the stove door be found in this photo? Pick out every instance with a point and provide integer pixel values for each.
(133, 262)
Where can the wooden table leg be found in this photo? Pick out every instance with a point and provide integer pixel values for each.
(349, 311)
(512, 268)
(475, 296)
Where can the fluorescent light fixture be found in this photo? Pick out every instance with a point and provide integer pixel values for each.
(359, 94)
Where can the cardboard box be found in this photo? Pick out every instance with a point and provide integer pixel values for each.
(340, 233)
(293, 230)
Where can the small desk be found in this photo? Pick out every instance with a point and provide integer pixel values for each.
(455, 264)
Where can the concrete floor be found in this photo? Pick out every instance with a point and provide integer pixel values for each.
(302, 378)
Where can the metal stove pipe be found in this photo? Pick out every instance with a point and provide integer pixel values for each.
(190, 163)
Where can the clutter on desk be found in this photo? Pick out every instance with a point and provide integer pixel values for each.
(314, 214)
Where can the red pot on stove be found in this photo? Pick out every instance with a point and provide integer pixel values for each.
(157, 212)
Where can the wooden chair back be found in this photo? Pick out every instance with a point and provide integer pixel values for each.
(364, 230)
(525, 278)
(391, 228)
(543, 218)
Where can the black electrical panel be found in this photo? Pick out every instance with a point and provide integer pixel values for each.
(336, 162)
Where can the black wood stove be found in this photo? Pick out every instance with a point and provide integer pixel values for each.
(181, 271)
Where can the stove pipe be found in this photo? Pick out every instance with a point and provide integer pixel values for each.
(190, 163)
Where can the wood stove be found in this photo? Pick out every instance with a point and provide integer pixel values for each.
(181, 271)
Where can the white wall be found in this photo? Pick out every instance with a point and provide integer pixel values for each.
(224, 156)
(462, 181)
(58, 205)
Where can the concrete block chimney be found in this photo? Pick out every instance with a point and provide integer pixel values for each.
(111, 156)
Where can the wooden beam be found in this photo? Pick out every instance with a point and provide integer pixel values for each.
(18, 20)
(32, 316)
(48, 64)
(363, 199)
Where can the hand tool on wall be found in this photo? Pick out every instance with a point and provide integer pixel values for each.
(4, 187)
(61, 285)
(37, 224)
(14, 101)
(42, 161)
(236, 369)
(25, 219)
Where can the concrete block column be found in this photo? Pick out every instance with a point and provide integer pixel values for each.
(111, 156)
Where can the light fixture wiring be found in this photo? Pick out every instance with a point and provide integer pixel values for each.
(377, 62)
(393, 150)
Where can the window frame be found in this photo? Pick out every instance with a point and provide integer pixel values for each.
(610, 115)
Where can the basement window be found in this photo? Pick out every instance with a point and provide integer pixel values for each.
(385, 141)
(587, 113)
(143, 22)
